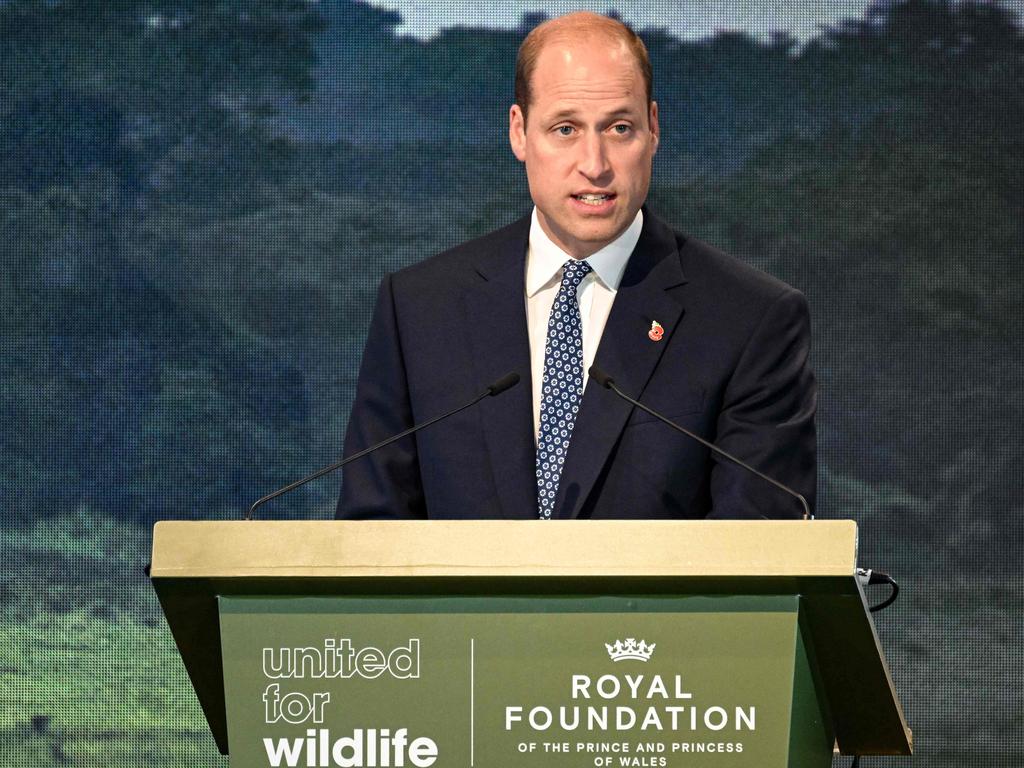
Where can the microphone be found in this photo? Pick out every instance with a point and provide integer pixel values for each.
(608, 382)
(503, 384)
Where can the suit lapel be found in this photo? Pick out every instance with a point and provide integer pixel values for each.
(496, 310)
(625, 353)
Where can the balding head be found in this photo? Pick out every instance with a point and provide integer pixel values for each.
(580, 26)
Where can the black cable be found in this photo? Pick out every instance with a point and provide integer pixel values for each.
(887, 579)
(867, 576)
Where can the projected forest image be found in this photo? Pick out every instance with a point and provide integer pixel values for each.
(198, 201)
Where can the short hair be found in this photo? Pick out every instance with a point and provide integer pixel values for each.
(563, 27)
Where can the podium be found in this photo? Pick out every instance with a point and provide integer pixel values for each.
(547, 643)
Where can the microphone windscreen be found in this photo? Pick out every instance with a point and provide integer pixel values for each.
(507, 381)
(601, 377)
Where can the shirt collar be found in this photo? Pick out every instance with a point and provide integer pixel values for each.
(546, 259)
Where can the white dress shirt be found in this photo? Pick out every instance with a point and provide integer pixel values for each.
(596, 293)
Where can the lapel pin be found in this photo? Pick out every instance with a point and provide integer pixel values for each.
(656, 331)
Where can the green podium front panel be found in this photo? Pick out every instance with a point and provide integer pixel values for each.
(533, 681)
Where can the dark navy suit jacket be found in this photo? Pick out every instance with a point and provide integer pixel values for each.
(732, 366)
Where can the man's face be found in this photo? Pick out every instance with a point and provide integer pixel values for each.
(588, 143)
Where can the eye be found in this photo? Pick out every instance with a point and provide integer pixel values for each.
(622, 128)
(564, 130)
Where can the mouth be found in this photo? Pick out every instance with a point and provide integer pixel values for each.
(595, 199)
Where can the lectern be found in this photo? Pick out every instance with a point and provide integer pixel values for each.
(528, 643)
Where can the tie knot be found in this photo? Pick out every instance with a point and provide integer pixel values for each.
(573, 272)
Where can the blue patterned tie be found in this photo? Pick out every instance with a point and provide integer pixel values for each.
(562, 388)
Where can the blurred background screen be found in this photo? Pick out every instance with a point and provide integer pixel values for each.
(198, 200)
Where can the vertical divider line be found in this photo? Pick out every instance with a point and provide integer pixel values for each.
(472, 699)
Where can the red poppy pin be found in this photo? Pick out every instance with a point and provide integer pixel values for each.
(656, 331)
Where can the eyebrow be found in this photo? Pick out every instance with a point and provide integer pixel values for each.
(564, 114)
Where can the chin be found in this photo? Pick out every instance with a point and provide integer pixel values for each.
(603, 234)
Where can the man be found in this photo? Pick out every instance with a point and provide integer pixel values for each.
(590, 276)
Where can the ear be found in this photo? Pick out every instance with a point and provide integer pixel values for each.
(652, 119)
(517, 132)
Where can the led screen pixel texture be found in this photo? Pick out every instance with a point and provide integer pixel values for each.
(197, 202)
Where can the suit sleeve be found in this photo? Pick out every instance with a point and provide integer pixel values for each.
(767, 419)
(385, 484)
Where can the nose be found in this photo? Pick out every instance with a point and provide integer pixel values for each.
(593, 158)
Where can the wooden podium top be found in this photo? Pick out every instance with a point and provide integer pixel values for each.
(497, 548)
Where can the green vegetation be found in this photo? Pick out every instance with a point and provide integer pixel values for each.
(101, 691)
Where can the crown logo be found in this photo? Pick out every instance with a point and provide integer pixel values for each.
(630, 649)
